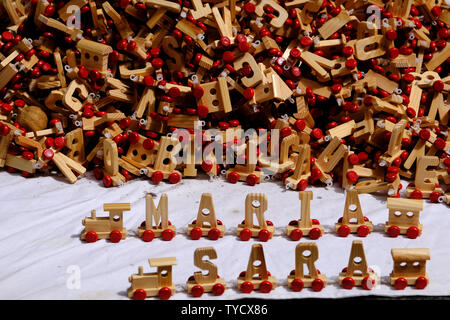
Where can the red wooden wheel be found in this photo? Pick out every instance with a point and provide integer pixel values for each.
(297, 285)
(296, 234)
(292, 272)
(245, 234)
(315, 221)
(393, 231)
(91, 236)
(218, 289)
(115, 236)
(139, 294)
(196, 233)
(148, 235)
(413, 232)
(251, 179)
(368, 283)
(293, 223)
(265, 286)
(264, 235)
(157, 177)
(343, 231)
(317, 285)
(197, 291)
(340, 220)
(315, 233)
(363, 231)
(421, 282)
(400, 283)
(233, 177)
(174, 177)
(167, 235)
(348, 283)
(247, 287)
(214, 234)
(191, 278)
(242, 274)
(165, 293)
(269, 223)
(416, 194)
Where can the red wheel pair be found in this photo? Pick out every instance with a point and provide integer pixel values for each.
(367, 283)
(362, 231)
(164, 294)
(233, 177)
(298, 285)
(166, 235)
(412, 232)
(114, 236)
(197, 291)
(297, 234)
(264, 287)
(263, 235)
(401, 283)
(213, 233)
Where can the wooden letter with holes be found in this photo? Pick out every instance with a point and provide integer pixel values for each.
(206, 223)
(248, 281)
(255, 203)
(357, 273)
(353, 220)
(297, 280)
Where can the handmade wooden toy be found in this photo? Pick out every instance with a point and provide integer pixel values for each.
(153, 284)
(200, 283)
(306, 254)
(404, 217)
(256, 277)
(156, 222)
(106, 227)
(409, 268)
(206, 223)
(426, 181)
(255, 203)
(305, 226)
(353, 220)
(357, 273)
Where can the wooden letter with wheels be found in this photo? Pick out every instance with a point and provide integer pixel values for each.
(248, 281)
(409, 268)
(106, 227)
(153, 284)
(305, 226)
(210, 282)
(255, 203)
(306, 254)
(302, 171)
(206, 223)
(353, 220)
(426, 181)
(166, 162)
(404, 217)
(364, 276)
(156, 222)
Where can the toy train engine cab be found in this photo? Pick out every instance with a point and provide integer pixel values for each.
(153, 284)
(106, 227)
(255, 203)
(409, 268)
(404, 217)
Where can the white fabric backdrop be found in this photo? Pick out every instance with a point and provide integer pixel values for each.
(41, 223)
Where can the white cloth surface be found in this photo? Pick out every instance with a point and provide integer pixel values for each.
(41, 224)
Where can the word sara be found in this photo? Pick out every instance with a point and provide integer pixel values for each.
(409, 269)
